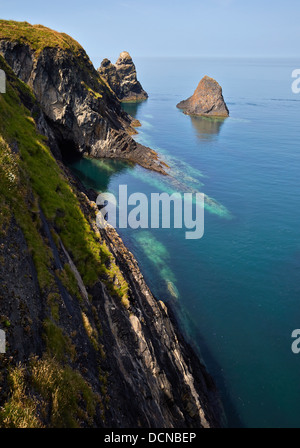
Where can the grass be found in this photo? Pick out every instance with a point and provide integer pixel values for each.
(8, 181)
(68, 279)
(35, 165)
(54, 301)
(46, 389)
(90, 331)
(30, 180)
(115, 281)
(91, 91)
(64, 391)
(58, 344)
(37, 37)
(20, 411)
(23, 191)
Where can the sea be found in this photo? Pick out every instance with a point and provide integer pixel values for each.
(236, 291)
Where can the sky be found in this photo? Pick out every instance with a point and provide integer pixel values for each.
(169, 28)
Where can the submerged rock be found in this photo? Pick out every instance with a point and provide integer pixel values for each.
(122, 79)
(207, 100)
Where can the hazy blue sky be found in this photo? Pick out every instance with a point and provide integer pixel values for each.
(169, 27)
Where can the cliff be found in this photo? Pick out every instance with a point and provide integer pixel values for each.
(87, 343)
(80, 108)
(207, 100)
(122, 79)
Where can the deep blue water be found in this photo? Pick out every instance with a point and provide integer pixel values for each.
(236, 291)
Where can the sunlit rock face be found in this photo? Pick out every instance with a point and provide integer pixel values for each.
(81, 109)
(122, 78)
(207, 100)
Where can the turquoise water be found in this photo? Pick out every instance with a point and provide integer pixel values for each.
(236, 291)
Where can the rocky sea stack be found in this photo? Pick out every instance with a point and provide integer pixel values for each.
(207, 100)
(122, 79)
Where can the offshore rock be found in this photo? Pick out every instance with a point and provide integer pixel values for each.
(96, 351)
(83, 113)
(122, 79)
(207, 100)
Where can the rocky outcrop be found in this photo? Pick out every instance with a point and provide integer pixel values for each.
(87, 343)
(84, 114)
(157, 366)
(207, 100)
(122, 79)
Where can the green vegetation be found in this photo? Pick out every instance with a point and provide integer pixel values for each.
(54, 301)
(8, 181)
(37, 37)
(4, 321)
(68, 279)
(91, 91)
(43, 388)
(55, 197)
(21, 409)
(63, 391)
(32, 180)
(91, 332)
(115, 282)
(58, 344)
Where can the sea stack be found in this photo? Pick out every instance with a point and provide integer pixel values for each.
(207, 100)
(122, 79)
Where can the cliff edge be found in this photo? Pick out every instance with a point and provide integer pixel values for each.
(83, 112)
(87, 344)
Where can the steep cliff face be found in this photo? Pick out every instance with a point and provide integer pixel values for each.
(122, 78)
(79, 106)
(207, 100)
(87, 343)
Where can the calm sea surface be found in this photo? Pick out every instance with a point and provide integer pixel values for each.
(236, 292)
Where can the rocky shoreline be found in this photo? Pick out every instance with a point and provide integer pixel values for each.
(82, 112)
(188, 389)
(88, 345)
